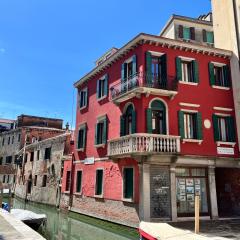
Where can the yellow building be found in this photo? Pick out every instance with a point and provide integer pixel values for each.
(226, 25)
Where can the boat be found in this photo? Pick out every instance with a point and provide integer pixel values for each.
(31, 219)
(163, 231)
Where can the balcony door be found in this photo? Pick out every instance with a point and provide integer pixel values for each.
(128, 121)
(156, 118)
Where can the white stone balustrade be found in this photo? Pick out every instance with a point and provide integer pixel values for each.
(144, 143)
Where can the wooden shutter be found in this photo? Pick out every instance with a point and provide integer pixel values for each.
(181, 123)
(210, 37)
(195, 71)
(215, 127)
(163, 60)
(99, 182)
(105, 130)
(84, 136)
(179, 68)
(97, 93)
(199, 126)
(96, 134)
(149, 120)
(86, 97)
(134, 122)
(79, 181)
(128, 183)
(106, 85)
(204, 35)
(148, 69)
(180, 31)
(231, 129)
(134, 62)
(226, 73)
(123, 74)
(122, 125)
(192, 33)
(211, 73)
(78, 143)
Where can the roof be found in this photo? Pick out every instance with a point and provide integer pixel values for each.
(3, 120)
(159, 41)
(187, 19)
(30, 116)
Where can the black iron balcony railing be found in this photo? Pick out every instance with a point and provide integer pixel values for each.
(141, 80)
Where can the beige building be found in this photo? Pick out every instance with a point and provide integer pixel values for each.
(226, 25)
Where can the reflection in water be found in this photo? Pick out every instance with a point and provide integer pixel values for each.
(62, 227)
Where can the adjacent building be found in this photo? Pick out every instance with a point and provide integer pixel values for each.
(155, 126)
(39, 176)
(6, 124)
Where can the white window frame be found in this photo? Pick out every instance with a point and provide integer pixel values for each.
(83, 90)
(75, 192)
(81, 126)
(100, 119)
(102, 195)
(133, 197)
(102, 79)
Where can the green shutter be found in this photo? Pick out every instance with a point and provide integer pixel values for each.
(186, 33)
(105, 130)
(86, 97)
(134, 62)
(181, 123)
(79, 139)
(149, 69)
(195, 71)
(128, 183)
(231, 129)
(79, 181)
(97, 93)
(215, 127)
(179, 68)
(149, 120)
(210, 38)
(226, 73)
(99, 182)
(96, 134)
(204, 34)
(199, 126)
(106, 85)
(134, 122)
(163, 60)
(84, 136)
(122, 125)
(211, 73)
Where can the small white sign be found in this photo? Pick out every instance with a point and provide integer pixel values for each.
(89, 161)
(225, 151)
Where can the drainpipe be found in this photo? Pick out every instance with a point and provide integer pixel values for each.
(72, 181)
(237, 29)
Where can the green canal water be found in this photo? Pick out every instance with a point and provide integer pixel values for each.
(74, 226)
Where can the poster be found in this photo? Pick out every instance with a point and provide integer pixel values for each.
(190, 197)
(182, 198)
(190, 190)
(189, 182)
(182, 191)
(197, 192)
(197, 181)
(182, 187)
(181, 181)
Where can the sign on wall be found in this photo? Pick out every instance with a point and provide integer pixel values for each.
(89, 161)
(225, 151)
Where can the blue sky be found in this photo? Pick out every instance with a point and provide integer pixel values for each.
(46, 45)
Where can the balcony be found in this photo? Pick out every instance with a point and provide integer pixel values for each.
(143, 144)
(142, 83)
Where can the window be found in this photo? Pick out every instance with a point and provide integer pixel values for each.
(38, 154)
(81, 141)
(187, 70)
(47, 155)
(16, 159)
(156, 75)
(9, 140)
(12, 139)
(44, 181)
(219, 75)
(102, 87)
(31, 156)
(8, 159)
(186, 33)
(208, 36)
(8, 178)
(68, 181)
(4, 178)
(101, 131)
(19, 137)
(224, 128)
(83, 98)
(156, 118)
(190, 125)
(128, 183)
(99, 182)
(3, 140)
(79, 182)
(35, 180)
(128, 121)
(1, 160)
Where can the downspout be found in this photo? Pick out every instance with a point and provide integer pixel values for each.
(237, 29)
(72, 181)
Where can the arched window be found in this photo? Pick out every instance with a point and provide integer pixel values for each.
(128, 121)
(156, 118)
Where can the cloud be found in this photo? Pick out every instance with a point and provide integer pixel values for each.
(2, 50)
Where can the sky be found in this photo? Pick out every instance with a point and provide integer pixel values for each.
(47, 45)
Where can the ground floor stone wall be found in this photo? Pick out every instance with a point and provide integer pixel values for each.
(125, 213)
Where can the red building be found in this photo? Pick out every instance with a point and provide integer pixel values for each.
(154, 127)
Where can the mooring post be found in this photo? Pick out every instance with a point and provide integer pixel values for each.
(10, 198)
(1, 194)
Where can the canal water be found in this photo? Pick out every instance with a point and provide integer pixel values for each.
(75, 226)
